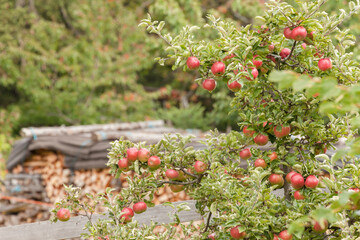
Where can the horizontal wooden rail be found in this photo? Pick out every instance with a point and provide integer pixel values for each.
(46, 230)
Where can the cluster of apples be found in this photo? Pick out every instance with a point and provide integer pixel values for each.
(236, 234)
(128, 213)
(143, 155)
(179, 175)
(261, 139)
(218, 69)
(299, 34)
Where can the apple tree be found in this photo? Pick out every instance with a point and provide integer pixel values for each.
(297, 92)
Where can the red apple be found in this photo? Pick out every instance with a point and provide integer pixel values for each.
(154, 162)
(303, 45)
(284, 235)
(271, 47)
(275, 237)
(245, 154)
(235, 86)
(261, 139)
(276, 179)
(311, 181)
(298, 195)
(63, 214)
(257, 63)
(127, 215)
(172, 174)
(273, 156)
(234, 232)
(177, 188)
(318, 229)
(211, 236)
(288, 33)
(284, 131)
(354, 189)
(289, 176)
(143, 155)
(193, 62)
(139, 207)
(297, 181)
(200, 167)
(132, 154)
(285, 53)
(254, 72)
(124, 164)
(299, 33)
(209, 84)
(218, 68)
(260, 163)
(248, 133)
(324, 64)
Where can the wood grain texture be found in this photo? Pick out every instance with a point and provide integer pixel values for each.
(46, 230)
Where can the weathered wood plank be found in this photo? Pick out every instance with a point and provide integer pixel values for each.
(46, 230)
(71, 130)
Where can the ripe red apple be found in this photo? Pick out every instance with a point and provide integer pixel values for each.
(154, 162)
(128, 214)
(260, 163)
(139, 207)
(318, 229)
(257, 63)
(275, 237)
(271, 47)
(324, 64)
(261, 139)
(289, 175)
(124, 164)
(276, 179)
(284, 53)
(235, 86)
(273, 156)
(234, 232)
(218, 68)
(63, 214)
(284, 131)
(193, 62)
(288, 33)
(284, 235)
(311, 181)
(200, 167)
(209, 84)
(132, 154)
(299, 33)
(298, 195)
(143, 155)
(354, 189)
(177, 188)
(248, 133)
(211, 236)
(172, 174)
(297, 181)
(245, 154)
(254, 72)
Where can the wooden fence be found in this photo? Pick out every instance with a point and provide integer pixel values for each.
(46, 230)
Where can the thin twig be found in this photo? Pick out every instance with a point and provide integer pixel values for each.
(311, 14)
(176, 183)
(207, 222)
